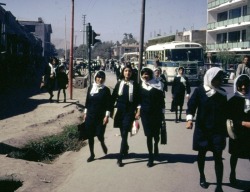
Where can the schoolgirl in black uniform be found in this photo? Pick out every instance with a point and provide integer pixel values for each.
(179, 87)
(125, 99)
(152, 109)
(210, 101)
(97, 112)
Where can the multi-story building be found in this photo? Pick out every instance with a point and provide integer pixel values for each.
(228, 26)
(42, 31)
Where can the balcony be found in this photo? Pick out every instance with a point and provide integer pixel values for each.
(216, 3)
(238, 21)
(229, 46)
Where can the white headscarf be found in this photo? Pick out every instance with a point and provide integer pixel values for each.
(96, 87)
(152, 83)
(239, 94)
(209, 76)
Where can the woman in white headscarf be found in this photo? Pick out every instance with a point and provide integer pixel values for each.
(125, 98)
(179, 87)
(97, 112)
(152, 110)
(239, 113)
(210, 133)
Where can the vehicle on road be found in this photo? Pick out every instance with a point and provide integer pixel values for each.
(173, 55)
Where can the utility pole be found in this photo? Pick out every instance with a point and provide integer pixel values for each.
(141, 38)
(65, 57)
(83, 32)
(71, 52)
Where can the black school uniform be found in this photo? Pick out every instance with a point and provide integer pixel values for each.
(125, 114)
(97, 105)
(179, 89)
(152, 103)
(210, 125)
(241, 145)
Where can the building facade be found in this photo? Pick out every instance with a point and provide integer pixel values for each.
(228, 26)
(42, 31)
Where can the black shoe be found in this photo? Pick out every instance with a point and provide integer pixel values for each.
(218, 188)
(203, 183)
(150, 164)
(119, 163)
(91, 158)
(176, 121)
(64, 100)
(180, 120)
(104, 148)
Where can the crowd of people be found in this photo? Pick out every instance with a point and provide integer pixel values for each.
(145, 100)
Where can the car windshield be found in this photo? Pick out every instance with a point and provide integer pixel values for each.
(186, 55)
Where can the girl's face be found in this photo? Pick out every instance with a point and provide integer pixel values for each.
(99, 80)
(243, 89)
(157, 73)
(145, 76)
(127, 73)
(180, 71)
(217, 81)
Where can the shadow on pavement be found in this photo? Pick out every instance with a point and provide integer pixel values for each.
(17, 101)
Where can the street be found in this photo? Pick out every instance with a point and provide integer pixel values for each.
(174, 171)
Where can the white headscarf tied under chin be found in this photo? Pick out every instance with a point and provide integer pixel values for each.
(96, 87)
(152, 83)
(239, 94)
(209, 76)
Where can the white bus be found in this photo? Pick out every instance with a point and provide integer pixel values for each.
(176, 54)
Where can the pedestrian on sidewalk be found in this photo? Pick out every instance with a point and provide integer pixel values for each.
(179, 88)
(239, 113)
(244, 67)
(49, 77)
(151, 111)
(62, 82)
(210, 101)
(125, 99)
(97, 112)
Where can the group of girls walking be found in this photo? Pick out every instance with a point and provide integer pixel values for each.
(131, 101)
(146, 101)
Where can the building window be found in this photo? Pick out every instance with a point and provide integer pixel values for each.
(244, 10)
(221, 38)
(244, 36)
(234, 36)
(222, 16)
(235, 13)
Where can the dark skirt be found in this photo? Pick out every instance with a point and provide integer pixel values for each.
(240, 147)
(94, 126)
(207, 141)
(178, 100)
(124, 119)
(151, 122)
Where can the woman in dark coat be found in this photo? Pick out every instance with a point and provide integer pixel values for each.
(97, 111)
(125, 99)
(179, 87)
(239, 113)
(62, 82)
(152, 109)
(210, 101)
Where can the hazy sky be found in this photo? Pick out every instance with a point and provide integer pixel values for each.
(113, 18)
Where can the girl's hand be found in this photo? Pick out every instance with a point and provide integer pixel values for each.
(189, 124)
(105, 120)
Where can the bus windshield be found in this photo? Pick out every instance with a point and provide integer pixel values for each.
(186, 55)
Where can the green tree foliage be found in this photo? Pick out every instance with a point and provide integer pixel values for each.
(225, 57)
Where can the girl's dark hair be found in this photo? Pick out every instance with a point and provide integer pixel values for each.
(100, 74)
(126, 67)
(243, 80)
(148, 71)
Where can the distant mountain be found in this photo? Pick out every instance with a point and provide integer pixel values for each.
(60, 43)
